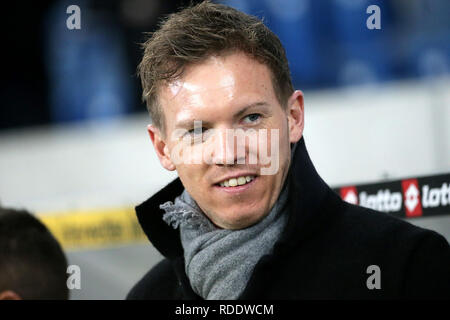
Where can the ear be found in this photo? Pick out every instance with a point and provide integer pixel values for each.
(9, 295)
(161, 148)
(295, 113)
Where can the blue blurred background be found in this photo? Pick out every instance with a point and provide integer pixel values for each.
(52, 74)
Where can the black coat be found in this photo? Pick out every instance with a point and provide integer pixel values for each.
(324, 251)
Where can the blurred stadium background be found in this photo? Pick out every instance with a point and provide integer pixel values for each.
(73, 141)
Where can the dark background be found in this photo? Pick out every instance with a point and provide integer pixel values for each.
(51, 74)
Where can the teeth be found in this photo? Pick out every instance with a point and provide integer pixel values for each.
(239, 181)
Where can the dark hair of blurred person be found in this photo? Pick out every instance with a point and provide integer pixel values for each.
(32, 262)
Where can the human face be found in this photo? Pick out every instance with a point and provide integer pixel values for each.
(228, 93)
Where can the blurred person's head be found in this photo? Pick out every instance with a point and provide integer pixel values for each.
(32, 263)
(214, 64)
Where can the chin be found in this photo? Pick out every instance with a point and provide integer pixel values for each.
(241, 220)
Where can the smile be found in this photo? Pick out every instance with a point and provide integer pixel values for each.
(238, 181)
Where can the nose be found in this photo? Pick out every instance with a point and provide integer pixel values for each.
(225, 148)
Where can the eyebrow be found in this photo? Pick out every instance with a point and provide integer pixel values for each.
(187, 123)
(252, 105)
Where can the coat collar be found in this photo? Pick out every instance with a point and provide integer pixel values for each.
(309, 199)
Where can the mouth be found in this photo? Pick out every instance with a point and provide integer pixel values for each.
(237, 184)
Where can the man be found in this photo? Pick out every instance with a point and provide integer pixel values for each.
(32, 263)
(271, 228)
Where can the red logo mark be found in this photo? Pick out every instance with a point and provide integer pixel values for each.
(411, 198)
(349, 194)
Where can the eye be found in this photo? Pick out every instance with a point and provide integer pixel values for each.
(252, 118)
(197, 135)
(192, 131)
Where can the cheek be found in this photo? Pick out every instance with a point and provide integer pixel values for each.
(277, 139)
(183, 154)
(189, 179)
(191, 175)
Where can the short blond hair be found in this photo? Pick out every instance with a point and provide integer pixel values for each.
(198, 32)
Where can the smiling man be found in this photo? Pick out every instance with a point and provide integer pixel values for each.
(249, 217)
(226, 92)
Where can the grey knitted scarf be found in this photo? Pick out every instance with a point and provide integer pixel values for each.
(219, 262)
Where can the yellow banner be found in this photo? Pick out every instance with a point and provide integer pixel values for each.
(94, 228)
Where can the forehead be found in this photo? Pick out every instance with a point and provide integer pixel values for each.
(217, 86)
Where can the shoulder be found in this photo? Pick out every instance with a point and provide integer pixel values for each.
(428, 268)
(158, 283)
(422, 256)
(380, 236)
(366, 223)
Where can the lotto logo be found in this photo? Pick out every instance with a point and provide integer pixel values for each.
(349, 194)
(383, 200)
(411, 196)
(435, 197)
